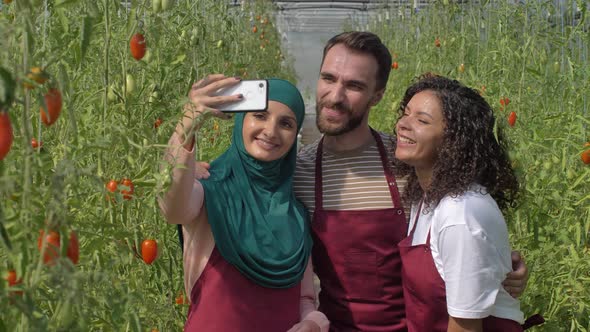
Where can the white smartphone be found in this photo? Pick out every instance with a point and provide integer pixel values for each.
(255, 94)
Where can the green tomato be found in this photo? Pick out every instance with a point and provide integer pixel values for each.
(156, 5)
(167, 4)
(147, 57)
(556, 67)
(153, 97)
(547, 165)
(220, 43)
(111, 96)
(570, 174)
(130, 83)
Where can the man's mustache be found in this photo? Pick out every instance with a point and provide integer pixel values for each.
(336, 106)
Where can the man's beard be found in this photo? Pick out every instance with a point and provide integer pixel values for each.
(353, 122)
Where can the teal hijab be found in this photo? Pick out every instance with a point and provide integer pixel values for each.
(258, 225)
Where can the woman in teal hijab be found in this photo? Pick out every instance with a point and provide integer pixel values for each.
(246, 238)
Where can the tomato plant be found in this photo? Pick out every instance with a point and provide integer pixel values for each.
(137, 45)
(52, 108)
(149, 251)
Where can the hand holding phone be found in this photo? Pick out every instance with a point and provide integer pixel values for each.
(255, 96)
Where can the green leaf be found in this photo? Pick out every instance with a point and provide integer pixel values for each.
(179, 59)
(85, 34)
(6, 88)
(3, 234)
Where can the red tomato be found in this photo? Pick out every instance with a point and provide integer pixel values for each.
(137, 46)
(254, 29)
(127, 193)
(149, 251)
(512, 119)
(51, 246)
(181, 300)
(11, 278)
(437, 42)
(504, 101)
(112, 186)
(53, 102)
(73, 251)
(586, 157)
(13, 281)
(157, 123)
(36, 144)
(394, 65)
(6, 136)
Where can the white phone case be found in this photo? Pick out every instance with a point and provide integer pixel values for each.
(255, 94)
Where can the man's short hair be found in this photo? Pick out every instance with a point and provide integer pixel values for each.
(366, 43)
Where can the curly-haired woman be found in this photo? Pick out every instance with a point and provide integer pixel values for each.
(459, 179)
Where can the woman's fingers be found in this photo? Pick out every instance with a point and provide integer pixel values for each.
(207, 80)
(211, 88)
(215, 101)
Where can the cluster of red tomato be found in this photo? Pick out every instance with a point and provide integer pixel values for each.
(127, 192)
(149, 247)
(49, 111)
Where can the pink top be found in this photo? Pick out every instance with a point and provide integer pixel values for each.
(183, 204)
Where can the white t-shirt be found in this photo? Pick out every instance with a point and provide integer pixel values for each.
(470, 248)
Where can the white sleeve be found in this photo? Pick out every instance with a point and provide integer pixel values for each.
(473, 271)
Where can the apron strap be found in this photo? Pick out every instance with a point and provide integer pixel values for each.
(319, 198)
(395, 196)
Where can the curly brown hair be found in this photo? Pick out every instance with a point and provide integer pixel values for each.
(473, 149)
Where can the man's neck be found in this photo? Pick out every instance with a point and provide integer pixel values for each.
(348, 141)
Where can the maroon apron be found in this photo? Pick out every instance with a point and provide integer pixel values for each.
(425, 295)
(223, 299)
(356, 258)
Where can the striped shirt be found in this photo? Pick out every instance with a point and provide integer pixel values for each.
(352, 180)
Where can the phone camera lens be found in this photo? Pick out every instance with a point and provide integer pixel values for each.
(261, 85)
